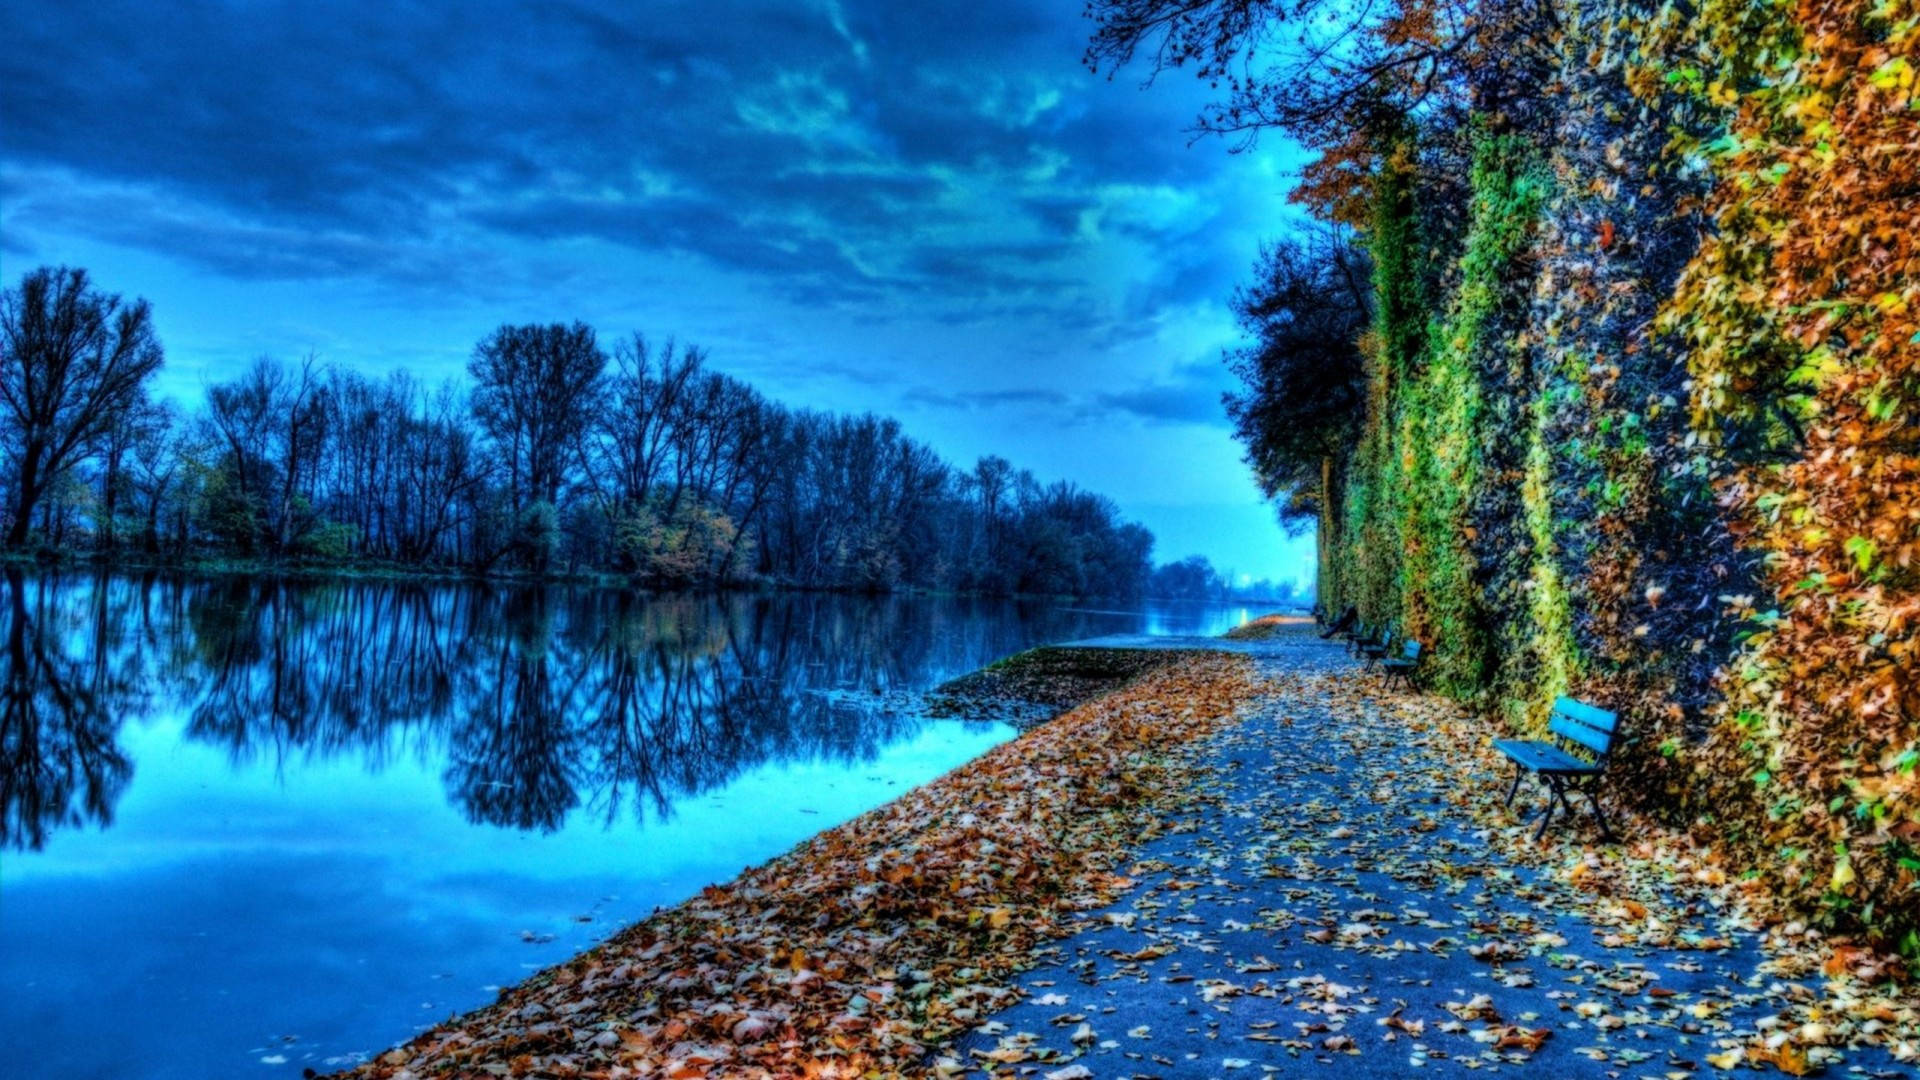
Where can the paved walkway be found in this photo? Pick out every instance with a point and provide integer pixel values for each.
(1329, 911)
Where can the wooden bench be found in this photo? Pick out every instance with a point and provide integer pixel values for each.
(1405, 667)
(1573, 758)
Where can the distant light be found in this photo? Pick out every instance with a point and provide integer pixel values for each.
(1246, 579)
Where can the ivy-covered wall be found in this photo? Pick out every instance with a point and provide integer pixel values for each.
(1649, 433)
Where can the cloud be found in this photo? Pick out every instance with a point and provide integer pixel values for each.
(848, 153)
(856, 204)
(1191, 397)
(987, 399)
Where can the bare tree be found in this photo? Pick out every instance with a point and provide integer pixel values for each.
(75, 360)
(534, 394)
(157, 452)
(645, 390)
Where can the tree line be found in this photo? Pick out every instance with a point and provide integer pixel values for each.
(557, 456)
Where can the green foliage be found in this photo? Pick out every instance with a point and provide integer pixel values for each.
(330, 540)
(1374, 480)
(1410, 486)
(1579, 417)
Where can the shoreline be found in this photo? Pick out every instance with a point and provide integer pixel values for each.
(865, 947)
(324, 572)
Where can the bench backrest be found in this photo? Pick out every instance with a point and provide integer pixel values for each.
(1412, 651)
(1588, 728)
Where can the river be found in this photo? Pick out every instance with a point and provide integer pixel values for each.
(249, 827)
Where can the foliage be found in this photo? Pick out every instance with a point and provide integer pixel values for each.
(1303, 377)
(679, 546)
(1801, 314)
(1644, 430)
(1445, 425)
(1191, 578)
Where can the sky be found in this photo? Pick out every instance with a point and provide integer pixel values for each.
(929, 210)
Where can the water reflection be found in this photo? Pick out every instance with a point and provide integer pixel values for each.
(59, 761)
(538, 704)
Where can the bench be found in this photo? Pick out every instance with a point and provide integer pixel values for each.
(1358, 632)
(1405, 667)
(1572, 759)
(1371, 643)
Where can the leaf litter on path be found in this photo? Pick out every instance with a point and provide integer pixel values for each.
(863, 948)
(1348, 896)
(1259, 873)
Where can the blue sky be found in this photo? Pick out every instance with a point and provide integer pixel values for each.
(926, 210)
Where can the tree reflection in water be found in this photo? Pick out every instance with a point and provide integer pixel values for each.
(64, 700)
(537, 703)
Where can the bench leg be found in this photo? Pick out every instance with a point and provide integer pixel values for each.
(1599, 815)
(1546, 815)
(1556, 793)
(1518, 773)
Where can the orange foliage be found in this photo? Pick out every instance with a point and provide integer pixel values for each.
(1800, 311)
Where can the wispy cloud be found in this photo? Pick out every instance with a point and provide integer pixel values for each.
(987, 399)
(1191, 396)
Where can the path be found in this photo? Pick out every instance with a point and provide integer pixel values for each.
(1337, 911)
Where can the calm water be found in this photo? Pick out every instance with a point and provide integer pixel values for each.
(251, 827)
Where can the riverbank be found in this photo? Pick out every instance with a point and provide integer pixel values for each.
(1030, 688)
(1248, 856)
(870, 945)
(372, 570)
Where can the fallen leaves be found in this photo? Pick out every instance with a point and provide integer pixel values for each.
(874, 941)
(1266, 627)
(867, 949)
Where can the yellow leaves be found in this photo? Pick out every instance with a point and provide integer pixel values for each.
(1788, 1058)
(1727, 1060)
(1894, 75)
(1843, 875)
(1802, 306)
(1518, 1038)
